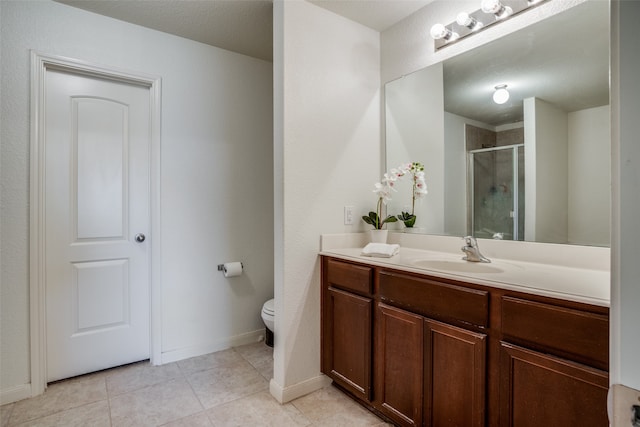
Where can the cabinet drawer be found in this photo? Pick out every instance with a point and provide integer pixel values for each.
(434, 299)
(583, 335)
(350, 277)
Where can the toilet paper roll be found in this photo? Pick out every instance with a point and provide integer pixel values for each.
(232, 269)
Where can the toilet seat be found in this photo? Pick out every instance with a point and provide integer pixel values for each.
(267, 315)
(267, 308)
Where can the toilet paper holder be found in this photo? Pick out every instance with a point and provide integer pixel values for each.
(221, 266)
(230, 269)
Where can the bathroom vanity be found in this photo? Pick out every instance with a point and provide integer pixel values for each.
(428, 339)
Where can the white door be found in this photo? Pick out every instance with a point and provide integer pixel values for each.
(96, 166)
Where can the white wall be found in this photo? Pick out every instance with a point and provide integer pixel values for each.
(589, 175)
(327, 145)
(216, 148)
(455, 175)
(625, 235)
(413, 118)
(546, 196)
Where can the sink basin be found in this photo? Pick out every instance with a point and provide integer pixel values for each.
(458, 266)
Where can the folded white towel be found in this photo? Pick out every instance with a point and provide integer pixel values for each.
(380, 250)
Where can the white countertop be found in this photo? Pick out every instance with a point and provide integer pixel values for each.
(573, 281)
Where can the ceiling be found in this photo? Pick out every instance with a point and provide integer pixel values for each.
(242, 26)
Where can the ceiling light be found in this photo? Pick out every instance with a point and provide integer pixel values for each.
(498, 9)
(501, 95)
(439, 31)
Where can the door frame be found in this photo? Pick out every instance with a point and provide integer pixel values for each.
(40, 64)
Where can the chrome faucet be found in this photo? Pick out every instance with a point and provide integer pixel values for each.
(472, 251)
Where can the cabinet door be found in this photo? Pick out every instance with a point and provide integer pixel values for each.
(399, 365)
(347, 341)
(454, 378)
(541, 390)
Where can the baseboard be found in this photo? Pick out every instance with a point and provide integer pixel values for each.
(287, 394)
(235, 341)
(15, 393)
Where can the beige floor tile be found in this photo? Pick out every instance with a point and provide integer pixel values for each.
(231, 385)
(227, 383)
(139, 375)
(266, 370)
(330, 407)
(260, 356)
(91, 415)
(154, 405)
(259, 409)
(210, 361)
(5, 413)
(198, 420)
(256, 353)
(60, 397)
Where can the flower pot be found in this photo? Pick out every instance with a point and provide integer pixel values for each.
(378, 236)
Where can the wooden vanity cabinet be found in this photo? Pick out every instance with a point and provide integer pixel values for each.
(424, 351)
(445, 363)
(553, 364)
(347, 322)
(538, 389)
(399, 365)
(454, 376)
(427, 372)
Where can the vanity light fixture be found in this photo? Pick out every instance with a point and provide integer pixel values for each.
(439, 31)
(496, 8)
(501, 95)
(467, 23)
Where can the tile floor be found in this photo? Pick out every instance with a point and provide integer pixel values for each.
(227, 388)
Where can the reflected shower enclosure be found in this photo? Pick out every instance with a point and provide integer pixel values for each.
(496, 192)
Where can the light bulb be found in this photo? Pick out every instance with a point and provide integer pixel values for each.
(490, 6)
(495, 7)
(501, 95)
(466, 20)
(439, 31)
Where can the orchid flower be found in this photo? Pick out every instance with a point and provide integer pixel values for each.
(384, 188)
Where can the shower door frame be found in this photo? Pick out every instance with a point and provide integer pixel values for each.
(470, 185)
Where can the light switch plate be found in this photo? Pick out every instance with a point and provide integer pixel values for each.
(348, 215)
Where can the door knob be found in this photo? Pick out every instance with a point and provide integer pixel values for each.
(140, 237)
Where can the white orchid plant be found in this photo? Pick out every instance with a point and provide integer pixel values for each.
(419, 189)
(384, 188)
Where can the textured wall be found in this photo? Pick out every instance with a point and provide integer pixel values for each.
(414, 131)
(510, 137)
(328, 148)
(625, 103)
(590, 176)
(216, 148)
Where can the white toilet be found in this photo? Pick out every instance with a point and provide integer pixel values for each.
(267, 318)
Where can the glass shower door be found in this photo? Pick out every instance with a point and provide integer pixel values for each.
(496, 181)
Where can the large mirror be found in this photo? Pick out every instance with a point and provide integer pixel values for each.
(534, 168)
